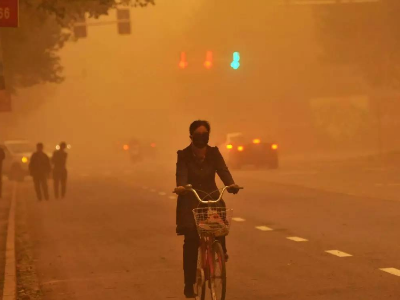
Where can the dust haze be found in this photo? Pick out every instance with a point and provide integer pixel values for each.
(118, 87)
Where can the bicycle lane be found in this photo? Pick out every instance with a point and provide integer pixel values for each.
(285, 209)
(363, 226)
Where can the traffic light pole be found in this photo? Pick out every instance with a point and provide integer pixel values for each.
(123, 21)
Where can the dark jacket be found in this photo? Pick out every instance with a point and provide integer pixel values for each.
(59, 160)
(39, 164)
(201, 175)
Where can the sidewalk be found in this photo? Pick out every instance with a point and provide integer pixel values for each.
(4, 210)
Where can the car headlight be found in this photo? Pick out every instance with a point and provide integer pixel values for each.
(24, 160)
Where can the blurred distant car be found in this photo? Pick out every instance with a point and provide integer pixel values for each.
(240, 151)
(134, 150)
(138, 149)
(16, 163)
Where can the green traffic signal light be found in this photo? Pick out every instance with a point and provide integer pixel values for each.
(235, 64)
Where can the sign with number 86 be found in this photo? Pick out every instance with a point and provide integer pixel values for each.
(8, 13)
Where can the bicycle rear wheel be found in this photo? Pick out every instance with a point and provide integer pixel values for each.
(200, 287)
(217, 272)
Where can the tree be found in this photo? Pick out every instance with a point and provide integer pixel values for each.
(30, 52)
(364, 35)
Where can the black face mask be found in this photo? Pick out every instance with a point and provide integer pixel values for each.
(200, 140)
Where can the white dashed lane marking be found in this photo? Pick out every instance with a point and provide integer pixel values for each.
(162, 193)
(153, 190)
(264, 228)
(145, 187)
(296, 239)
(338, 253)
(238, 219)
(172, 197)
(392, 271)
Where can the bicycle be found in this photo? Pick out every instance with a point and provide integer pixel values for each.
(211, 222)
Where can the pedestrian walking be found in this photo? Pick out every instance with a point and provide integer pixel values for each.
(40, 168)
(2, 157)
(59, 160)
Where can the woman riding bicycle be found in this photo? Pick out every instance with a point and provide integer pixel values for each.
(197, 165)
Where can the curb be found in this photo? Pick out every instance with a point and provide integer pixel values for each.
(10, 271)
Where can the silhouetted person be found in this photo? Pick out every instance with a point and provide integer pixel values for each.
(2, 157)
(59, 161)
(39, 168)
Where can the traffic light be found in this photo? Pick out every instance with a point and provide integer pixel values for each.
(235, 63)
(124, 20)
(80, 28)
(183, 62)
(209, 60)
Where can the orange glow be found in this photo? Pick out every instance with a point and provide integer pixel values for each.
(256, 141)
(229, 147)
(126, 147)
(153, 145)
(240, 148)
(208, 64)
(274, 147)
(183, 63)
(209, 58)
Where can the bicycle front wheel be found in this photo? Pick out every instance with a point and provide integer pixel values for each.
(217, 273)
(201, 276)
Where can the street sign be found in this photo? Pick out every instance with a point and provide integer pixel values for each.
(9, 13)
(124, 20)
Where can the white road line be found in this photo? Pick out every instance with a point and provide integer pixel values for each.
(338, 253)
(392, 271)
(172, 197)
(153, 190)
(162, 193)
(10, 286)
(145, 187)
(238, 219)
(264, 228)
(296, 239)
(84, 175)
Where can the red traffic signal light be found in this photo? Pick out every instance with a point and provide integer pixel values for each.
(183, 62)
(209, 60)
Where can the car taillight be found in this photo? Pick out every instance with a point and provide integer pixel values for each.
(229, 147)
(256, 141)
(153, 145)
(126, 147)
(274, 147)
(240, 148)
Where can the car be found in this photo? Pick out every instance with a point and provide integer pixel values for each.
(138, 150)
(240, 151)
(134, 150)
(16, 163)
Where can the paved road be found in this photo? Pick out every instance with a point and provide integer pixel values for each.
(113, 238)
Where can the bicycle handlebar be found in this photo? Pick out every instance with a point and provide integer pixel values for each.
(189, 188)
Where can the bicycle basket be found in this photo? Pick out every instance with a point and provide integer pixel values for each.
(213, 220)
